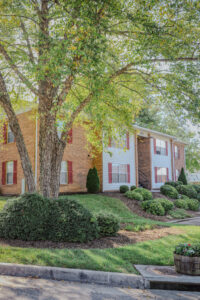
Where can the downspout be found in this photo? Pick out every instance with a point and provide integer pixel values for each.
(36, 150)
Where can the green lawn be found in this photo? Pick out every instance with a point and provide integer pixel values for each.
(157, 252)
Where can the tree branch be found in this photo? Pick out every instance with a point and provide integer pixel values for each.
(27, 42)
(16, 70)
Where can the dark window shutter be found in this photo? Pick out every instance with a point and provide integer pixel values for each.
(154, 143)
(109, 172)
(166, 145)
(128, 170)
(5, 129)
(70, 136)
(156, 174)
(3, 173)
(15, 172)
(127, 141)
(70, 172)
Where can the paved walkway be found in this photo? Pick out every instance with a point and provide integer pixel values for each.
(191, 221)
(33, 289)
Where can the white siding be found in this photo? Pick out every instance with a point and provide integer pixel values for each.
(119, 156)
(160, 161)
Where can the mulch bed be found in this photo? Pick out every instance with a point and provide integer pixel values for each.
(121, 239)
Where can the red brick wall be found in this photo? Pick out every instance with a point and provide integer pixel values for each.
(144, 161)
(75, 152)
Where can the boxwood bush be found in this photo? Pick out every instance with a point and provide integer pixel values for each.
(133, 187)
(153, 207)
(108, 224)
(196, 187)
(169, 191)
(147, 195)
(32, 217)
(198, 197)
(193, 204)
(173, 183)
(181, 203)
(134, 195)
(166, 204)
(123, 188)
(187, 190)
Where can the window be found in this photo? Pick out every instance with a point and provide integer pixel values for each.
(177, 174)
(160, 147)
(123, 143)
(119, 173)
(161, 175)
(10, 136)
(63, 173)
(9, 172)
(176, 152)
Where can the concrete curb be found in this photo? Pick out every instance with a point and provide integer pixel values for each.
(75, 275)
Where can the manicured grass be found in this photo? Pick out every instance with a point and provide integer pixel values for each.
(3, 201)
(157, 252)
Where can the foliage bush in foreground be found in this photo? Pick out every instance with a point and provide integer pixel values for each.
(108, 224)
(147, 195)
(181, 203)
(133, 187)
(92, 183)
(174, 183)
(188, 250)
(31, 217)
(187, 190)
(182, 177)
(134, 195)
(124, 188)
(193, 204)
(166, 204)
(153, 207)
(196, 187)
(169, 191)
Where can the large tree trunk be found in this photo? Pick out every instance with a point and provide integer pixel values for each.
(14, 125)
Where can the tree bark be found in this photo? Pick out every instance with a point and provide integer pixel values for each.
(14, 125)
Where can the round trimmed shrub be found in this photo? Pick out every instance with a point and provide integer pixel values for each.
(93, 184)
(133, 187)
(69, 221)
(134, 195)
(196, 187)
(166, 204)
(169, 191)
(193, 204)
(124, 188)
(181, 203)
(25, 218)
(198, 196)
(153, 207)
(187, 190)
(173, 183)
(147, 195)
(108, 224)
(184, 197)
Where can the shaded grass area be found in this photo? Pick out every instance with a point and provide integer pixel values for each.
(156, 252)
(3, 201)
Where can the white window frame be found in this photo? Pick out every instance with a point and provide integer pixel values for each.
(176, 150)
(9, 164)
(161, 147)
(120, 173)
(163, 177)
(11, 135)
(177, 174)
(64, 173)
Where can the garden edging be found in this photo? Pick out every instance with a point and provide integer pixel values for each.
(75, 275)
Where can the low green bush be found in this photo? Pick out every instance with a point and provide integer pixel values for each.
(184, 197)
(134, 195)
(169, 191)
(198, 197)
(153, 207)
(166, 204)
(123, 188)
(196, 187)
(133, 187)
(147, 195)
(173, 183)
(108, 224)
(181, 203)
(193, 204)
(187, 190)
(179, 213)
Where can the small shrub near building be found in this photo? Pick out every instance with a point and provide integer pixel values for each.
(134, 195)
(166, 204)
(173, 183)
(181, 203)
(108, 224)
(196, 187)
(187, 190)
(92, 183)
(133, 187)
(146, 194)
(123, 189)
(193, 204)
(153, 207)
(169, 191)
(182, 177)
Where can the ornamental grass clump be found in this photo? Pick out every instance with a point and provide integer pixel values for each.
(188, 250)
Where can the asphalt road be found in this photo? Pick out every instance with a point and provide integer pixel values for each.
(31, 288)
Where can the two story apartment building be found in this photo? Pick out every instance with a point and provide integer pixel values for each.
(144, 157)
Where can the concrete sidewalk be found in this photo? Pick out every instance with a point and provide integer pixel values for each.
(190, 221)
